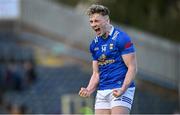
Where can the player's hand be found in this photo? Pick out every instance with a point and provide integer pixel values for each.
(84, 92)
(117, 92)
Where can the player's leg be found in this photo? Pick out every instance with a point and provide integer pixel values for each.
(102, 111)
(120, 110)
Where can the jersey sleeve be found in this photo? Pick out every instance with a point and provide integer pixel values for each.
(91, 48)
(125, 44)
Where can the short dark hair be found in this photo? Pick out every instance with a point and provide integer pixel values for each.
(100, 9)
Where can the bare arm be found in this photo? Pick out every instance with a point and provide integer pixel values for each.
(86, 92)
(131, 63)
(94, 78)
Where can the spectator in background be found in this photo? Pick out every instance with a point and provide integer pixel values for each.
(13, 80)
(114, 65)
(16, 109)
(30, 72)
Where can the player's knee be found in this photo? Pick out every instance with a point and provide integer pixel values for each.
(120, 110)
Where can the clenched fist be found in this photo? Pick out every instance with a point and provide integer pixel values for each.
(117, 92)
(84, 92)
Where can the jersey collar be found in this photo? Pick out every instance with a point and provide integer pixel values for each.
(111, 32)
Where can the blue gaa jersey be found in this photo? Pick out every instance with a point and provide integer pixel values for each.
(108, 52)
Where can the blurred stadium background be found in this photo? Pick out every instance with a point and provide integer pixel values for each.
(44, 58)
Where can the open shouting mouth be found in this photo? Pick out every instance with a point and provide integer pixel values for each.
(98, 31)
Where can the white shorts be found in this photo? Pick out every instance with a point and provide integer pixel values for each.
(106, 100)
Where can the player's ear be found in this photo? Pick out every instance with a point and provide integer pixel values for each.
(107, 19)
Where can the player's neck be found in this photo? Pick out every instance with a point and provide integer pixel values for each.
(106, 34)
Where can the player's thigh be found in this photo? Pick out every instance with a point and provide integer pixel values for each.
(102, 111)
(120, 110)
